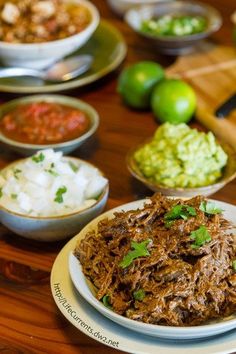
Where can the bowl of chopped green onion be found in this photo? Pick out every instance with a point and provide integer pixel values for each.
(176, 26)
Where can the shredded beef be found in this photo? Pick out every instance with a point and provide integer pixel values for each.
(183, 285)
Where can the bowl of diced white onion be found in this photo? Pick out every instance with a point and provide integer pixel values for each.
(49, 197)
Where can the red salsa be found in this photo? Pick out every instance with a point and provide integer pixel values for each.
(44, 123)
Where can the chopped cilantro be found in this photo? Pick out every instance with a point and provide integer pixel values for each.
(178, 212)
(200, 236)
(106, 301)
(234, 265)
(1, 192)
(53, 173)
(16, 171)
(139, 294)
(59, 194)
(168, 223)
(38, 158)
(210, 208)
(73, 166)
(139, 250)
(13, 196)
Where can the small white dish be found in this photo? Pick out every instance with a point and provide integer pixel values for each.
(86, 290)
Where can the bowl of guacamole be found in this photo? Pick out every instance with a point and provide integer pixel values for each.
(179, 160)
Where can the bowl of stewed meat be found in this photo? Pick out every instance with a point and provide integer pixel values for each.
(36, 33)
(163, 266)
(37, 122)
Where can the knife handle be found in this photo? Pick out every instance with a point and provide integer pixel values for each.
(226, 107)
(222, 128)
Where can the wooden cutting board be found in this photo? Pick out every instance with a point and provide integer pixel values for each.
(211, 71)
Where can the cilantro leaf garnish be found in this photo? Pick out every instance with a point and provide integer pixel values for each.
(38, 158)
(106, 301)
(59, 194)
(200, 236)
(73, 166)
(139, 250)
(210, 208)
(179, 212)
(16, 171)
(139, 294)
(234, 265)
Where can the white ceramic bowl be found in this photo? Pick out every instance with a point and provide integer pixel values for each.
(67, 146)
(86, 289)
(41, 55)
(52, 228)
(121, 6)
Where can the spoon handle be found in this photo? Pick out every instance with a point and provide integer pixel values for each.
(17, 72)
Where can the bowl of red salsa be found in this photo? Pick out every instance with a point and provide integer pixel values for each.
(38, 122)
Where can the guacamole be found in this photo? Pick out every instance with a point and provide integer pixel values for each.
(179, 156)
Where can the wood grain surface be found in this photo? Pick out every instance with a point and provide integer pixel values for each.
(30, 322)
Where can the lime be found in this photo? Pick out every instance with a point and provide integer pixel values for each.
(173, 101)
(137, 81)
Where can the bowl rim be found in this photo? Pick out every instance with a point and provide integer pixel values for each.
(91, 113)
(56, 217)
(130, 163)
(95, 17)
(211, 13)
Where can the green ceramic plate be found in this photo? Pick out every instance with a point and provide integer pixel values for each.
(108, 49)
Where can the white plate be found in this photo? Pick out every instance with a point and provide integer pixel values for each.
(92, 323)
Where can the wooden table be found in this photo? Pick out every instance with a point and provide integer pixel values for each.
(29, 319)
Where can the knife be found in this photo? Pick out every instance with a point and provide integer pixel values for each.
(227, 107)
(217, 122)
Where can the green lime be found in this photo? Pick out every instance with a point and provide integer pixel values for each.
(173, 101)
(137, 81)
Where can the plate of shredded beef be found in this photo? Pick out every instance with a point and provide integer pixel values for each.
(164, 267)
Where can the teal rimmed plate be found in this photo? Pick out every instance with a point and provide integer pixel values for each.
(108, 48)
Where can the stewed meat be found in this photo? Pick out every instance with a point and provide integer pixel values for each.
(172, 262)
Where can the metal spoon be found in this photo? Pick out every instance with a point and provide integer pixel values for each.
(64, 70)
